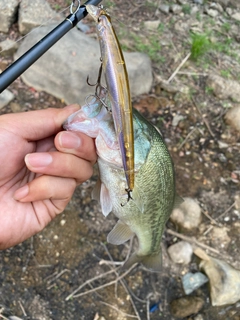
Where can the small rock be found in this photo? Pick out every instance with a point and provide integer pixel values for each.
(8, 12)
(222, 145)
(5, 97)
(232, 117)
(198, 1)
(193, 281)
(172, 88)
(14, 318)
(8, 47)
(164, 8)
(236, 16)
(182, 2)
(176, 119)
(223, 3)
(187, 215)
(151, 25)
(224, 281)
(198, 317)
(216, 6)
(186, 306)
(212, 13)
(176, 9)
(224, 88)
(229, 11)
(34, 13)
(219, 237)
(15, 107)
(194, 10)
(180, 252)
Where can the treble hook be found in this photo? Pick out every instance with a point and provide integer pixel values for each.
(98, 83)
(129, 196)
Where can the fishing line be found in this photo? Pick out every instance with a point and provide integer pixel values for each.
(38, 27)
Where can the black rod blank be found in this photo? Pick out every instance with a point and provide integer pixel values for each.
(33, 54)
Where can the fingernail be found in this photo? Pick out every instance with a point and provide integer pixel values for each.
(69, 140)
(72, 107)
(21, 193)
(38, 159)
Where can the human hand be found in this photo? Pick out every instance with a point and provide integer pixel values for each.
(40, 169)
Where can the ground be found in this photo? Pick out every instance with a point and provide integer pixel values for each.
(38, 275)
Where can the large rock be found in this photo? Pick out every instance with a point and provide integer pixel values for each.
(62, 71)
(224, 281)
(8, 10)
(224, 88)
(35, 13)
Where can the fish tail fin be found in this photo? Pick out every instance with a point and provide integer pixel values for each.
(152, 262)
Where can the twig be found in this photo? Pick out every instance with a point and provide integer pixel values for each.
(122, 312)
(179, 67)
(193, 240)
(187, 137)
(207, 231)
(113, 263)
(226, 211)
(106, 284)
(204, 120)
(88, 282)
(193, 73)
(55, 278)
(148, 306)
(210, 218)
(21, 306)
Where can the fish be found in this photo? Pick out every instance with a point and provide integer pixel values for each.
(114, 68)
(154, 195)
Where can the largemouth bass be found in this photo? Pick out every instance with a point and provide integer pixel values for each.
(116, 76)
(154, 190)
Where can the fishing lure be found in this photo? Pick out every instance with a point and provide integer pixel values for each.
(115, 71)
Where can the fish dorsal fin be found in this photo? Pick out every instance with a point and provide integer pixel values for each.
(96, 190)
(105, 200)
(119, 234)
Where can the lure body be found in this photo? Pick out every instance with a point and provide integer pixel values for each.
(115, 71)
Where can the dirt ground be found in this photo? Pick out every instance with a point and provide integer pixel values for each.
(38, 275)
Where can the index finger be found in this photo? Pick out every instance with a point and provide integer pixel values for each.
(38, 124)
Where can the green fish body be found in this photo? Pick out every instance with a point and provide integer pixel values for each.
(154, 191)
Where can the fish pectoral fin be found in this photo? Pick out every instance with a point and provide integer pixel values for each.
(96, 190)
(105, 200)
(137, 199)
(152, 262)
(120, 234)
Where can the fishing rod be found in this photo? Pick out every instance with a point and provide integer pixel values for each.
(33, 54)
